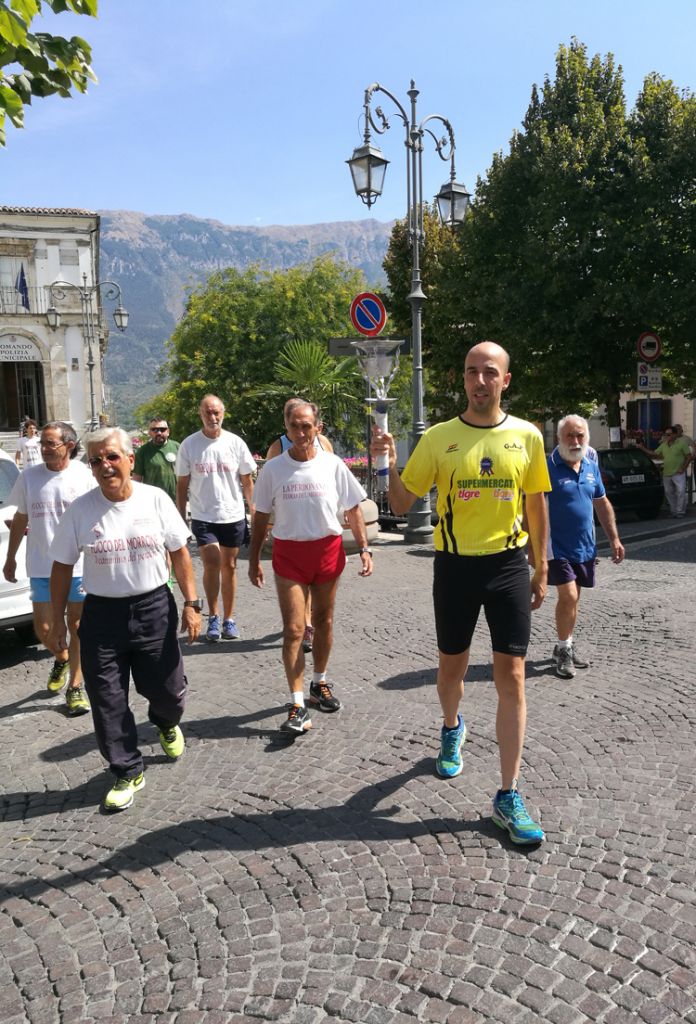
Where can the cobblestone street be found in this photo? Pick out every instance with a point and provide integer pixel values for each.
(336, 878)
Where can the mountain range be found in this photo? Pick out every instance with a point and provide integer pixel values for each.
(158, 259)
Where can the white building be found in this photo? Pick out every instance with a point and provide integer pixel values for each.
(44, 373)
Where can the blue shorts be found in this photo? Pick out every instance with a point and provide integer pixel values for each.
(227, 535)
(41, 594)
(563, 571)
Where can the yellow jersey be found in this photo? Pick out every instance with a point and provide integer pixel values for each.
(481, 474)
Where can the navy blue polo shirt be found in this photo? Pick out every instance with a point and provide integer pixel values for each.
(571, 524)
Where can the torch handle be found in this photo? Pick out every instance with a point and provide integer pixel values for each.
(381, 463)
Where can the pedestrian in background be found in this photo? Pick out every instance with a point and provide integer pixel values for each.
(214, 474)
(483, 463)
(155, 461)
(129, 621)
(42, 493)
(676, 456)
(577, 492)
(29, 446)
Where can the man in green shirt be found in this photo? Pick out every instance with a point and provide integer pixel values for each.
(676, 456)
(155, 460)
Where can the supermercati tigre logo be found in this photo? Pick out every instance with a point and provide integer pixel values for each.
(486, 467)
(452, 448)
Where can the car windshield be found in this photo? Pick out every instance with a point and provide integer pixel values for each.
(621, 459)
(8, 475)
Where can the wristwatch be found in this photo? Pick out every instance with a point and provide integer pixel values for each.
(197, 605)
(364, 551)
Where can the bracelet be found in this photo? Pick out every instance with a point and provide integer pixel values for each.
(364, 551)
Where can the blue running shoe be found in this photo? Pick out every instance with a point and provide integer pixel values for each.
(213, 633)
(229, 630)
(449, 763)
(510, 813)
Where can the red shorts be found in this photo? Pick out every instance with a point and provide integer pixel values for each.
(309, 561)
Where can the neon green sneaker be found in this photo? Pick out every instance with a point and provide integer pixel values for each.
(77, 701)
(172, 742)
(121, 794)
(59, 676)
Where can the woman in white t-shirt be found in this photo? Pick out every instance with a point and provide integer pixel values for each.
(129, 621)
(304, 488)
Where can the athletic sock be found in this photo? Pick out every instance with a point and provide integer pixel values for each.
(563, 645)
(298, 697)
(318, 677)
(453, 728)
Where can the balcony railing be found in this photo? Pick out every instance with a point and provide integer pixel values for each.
(32, 301)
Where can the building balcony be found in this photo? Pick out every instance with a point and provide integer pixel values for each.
(30, 301)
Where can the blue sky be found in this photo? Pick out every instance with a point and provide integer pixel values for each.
(246, 111)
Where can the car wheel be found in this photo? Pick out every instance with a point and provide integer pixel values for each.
(25, 634)
(649, 512)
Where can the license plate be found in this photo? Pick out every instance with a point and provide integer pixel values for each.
(636, 478)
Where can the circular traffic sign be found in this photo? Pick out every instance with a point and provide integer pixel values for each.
(649, 346)
(368, 314)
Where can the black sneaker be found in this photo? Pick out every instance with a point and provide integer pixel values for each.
(321, 697)
(298, 720)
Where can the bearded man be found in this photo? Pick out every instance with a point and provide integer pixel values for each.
(576, 492)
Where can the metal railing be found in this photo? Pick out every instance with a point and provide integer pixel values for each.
(31, 301)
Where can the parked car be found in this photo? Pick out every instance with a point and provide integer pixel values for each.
(15, 602)
(632, 481)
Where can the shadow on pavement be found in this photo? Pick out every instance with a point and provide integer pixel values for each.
(203, 646)
(475, 674)
(359, 818)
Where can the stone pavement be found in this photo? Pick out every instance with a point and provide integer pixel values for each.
(336, 878)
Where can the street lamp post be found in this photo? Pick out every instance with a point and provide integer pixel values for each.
(58, 291)
(368, 167)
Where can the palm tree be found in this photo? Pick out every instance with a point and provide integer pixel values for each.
(305, 368)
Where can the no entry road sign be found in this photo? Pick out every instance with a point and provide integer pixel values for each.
(368, 314)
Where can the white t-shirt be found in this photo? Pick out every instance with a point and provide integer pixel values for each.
(43, 495)
(123, 542)
(30, 447)
(214, 465)
(305, 496)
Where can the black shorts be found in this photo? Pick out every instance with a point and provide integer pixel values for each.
(499, 583)
(227, 535)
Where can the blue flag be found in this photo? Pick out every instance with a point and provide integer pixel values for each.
(21, 286)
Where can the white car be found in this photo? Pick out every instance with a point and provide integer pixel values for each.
(15, 603)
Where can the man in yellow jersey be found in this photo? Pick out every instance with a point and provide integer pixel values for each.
(483, 463)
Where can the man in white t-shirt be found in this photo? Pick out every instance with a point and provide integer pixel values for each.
(41, 495)
(304, 488)
(29, 448)
(129, 622)
(213, 469)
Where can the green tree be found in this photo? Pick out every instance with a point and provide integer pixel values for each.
(38, 63)
(582, 236)
(233, 332)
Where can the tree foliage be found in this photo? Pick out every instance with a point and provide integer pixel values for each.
(38, 63)
(256, 337)
(580, 238)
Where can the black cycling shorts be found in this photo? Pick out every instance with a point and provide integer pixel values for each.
(463, 584)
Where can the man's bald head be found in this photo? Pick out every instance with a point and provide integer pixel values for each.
(489, 350)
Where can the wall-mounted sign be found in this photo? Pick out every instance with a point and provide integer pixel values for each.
(16, 349)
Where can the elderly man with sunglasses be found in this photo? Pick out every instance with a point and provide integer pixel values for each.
(129, 622)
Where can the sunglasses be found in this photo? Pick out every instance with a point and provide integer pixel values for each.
(96, 460)
(159, 430)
